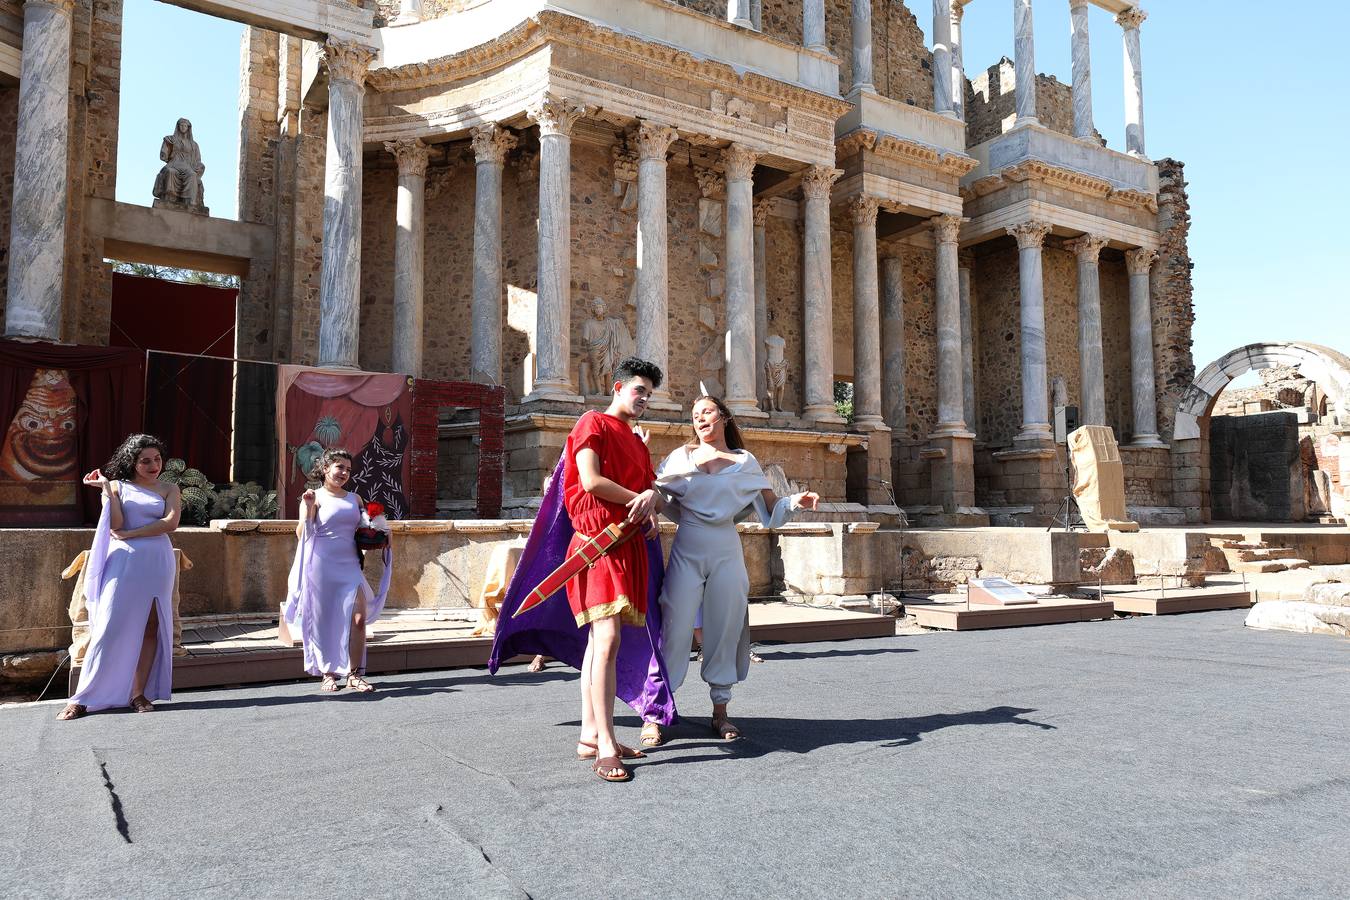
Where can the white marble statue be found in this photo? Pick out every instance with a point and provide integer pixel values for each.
(606, 341)
(1059, 393)
(179, 183)
(775, 372)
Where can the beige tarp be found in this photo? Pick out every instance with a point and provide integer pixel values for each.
(1099, 479)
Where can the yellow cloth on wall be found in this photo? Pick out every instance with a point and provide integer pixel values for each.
(79, 614)
(501, 566)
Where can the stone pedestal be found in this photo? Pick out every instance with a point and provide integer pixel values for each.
(1032, 477)
(410, 217)
(490, 146)
(953, 479)
(879, 475)
(37, 225)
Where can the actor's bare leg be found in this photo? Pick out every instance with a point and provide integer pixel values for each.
(603, 645)
(356, 649)
(149, 650)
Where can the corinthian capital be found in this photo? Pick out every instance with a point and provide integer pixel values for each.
(411, 155)
(555, 115)
(761, 211)
(1087, 247)
(491, 143)
(1131, 18)
(347, 61)
(738, 161)
(1140, 260)
(818, 180)
(946, 229)
(654, 140)
(863, 210)
(711, 184)
(958, 11)
(1029, 234)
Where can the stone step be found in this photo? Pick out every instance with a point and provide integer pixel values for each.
(1265, 565)
(1260, 553)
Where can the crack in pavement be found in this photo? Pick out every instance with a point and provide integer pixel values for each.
(436, 816)
(114, 800)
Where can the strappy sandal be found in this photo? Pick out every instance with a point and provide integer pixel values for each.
(72, 711)
(357, 682)
(330, 683)
(140, 704)
(611, 769)
(725, 729)
(593, 749)
(651, 735)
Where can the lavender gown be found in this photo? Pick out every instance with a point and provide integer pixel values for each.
(123, 580)
(325, 582)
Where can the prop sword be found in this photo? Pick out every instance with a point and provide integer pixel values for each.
(582, 558)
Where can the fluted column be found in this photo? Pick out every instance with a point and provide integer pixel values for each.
(1130, 20)
(1024, 63)
(553, 305)
(490, 146)
(942, 58)
(813, 25)
(1082, 69)
(340, 277)
(862, 46)
(409, 237)
(967, 344)
(958, 64)
(37, 224)
(1092, 388)
(951, 395)
(1035, 403)
(1138, 263)
(866, 316)
(738, 163)
(893, 342)
(738, 13)
(761, 297)
(653, 315)
(818, 324)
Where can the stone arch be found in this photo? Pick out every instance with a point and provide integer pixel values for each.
(1328, 368)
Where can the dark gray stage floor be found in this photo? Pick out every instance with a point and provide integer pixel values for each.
(1171, 757)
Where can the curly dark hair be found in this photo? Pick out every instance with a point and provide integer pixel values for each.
(323, 462)
(731, 431)
(631, 367)
(121, 466)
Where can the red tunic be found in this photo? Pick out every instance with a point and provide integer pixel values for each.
(617, 583)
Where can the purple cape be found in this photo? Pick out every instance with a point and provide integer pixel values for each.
(550, 629)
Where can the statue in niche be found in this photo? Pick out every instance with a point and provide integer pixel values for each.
(1059, 393)
(179, 184)
(775, 372)
(606, 341)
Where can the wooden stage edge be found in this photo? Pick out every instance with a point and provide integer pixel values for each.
(206, 666)
(1164, 603)
(1050, 611)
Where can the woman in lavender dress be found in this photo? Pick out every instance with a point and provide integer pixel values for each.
(329, 600)
(129, 584)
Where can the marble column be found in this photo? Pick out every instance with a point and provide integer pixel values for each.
(653, 312)
(1035, 402)
(1024, 63)
(893, 342)
(738, 13)
(340, 276)
(409, 234)
(757, 14)
(1082, 69)
(553, 304)
(958, 64)
(942, 58)
(866, 316)
(1139, 263)
(862, 46)
(761, 298)
(490, 144)
(967, 344)
(1092, 384)
(409, 12)
(738, 163)
(818, 302)
(1130, 20)
(951, 395)
(813, 25)
(37, 225)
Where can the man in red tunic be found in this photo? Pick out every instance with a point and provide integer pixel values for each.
(607, 479)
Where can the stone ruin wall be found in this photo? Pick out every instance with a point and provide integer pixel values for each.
(1173, 296)
(9, 125)
(991, 103)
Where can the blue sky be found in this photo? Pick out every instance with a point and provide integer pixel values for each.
(1228, 89)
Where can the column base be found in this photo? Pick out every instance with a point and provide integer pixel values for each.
(664, 405)
(552, 393)
(870, 423)
(865, 87)
(1037, 435)
(1148, 441)
(951, 430)
(820, 414)
(746, 409)
(1023, 121)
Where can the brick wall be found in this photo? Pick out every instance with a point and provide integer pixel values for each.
(991, 103)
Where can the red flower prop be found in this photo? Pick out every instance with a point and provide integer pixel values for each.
(374, 509)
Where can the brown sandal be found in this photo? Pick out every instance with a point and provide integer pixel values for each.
(72, 711)
(357, 682)
(725, 729)
(141, 704)
(593, 749)
(611, 769)
(330, 683)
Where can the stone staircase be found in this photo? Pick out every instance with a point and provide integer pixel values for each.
(1256, 556)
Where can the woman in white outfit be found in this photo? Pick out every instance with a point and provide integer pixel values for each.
(709, 484)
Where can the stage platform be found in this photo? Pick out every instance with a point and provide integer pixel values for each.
(1130, 599)
(242, 650)
(962, 616)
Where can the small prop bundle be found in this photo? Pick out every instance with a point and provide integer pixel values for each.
(374, 531)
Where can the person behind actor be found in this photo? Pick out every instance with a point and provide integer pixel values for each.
(608, 479)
